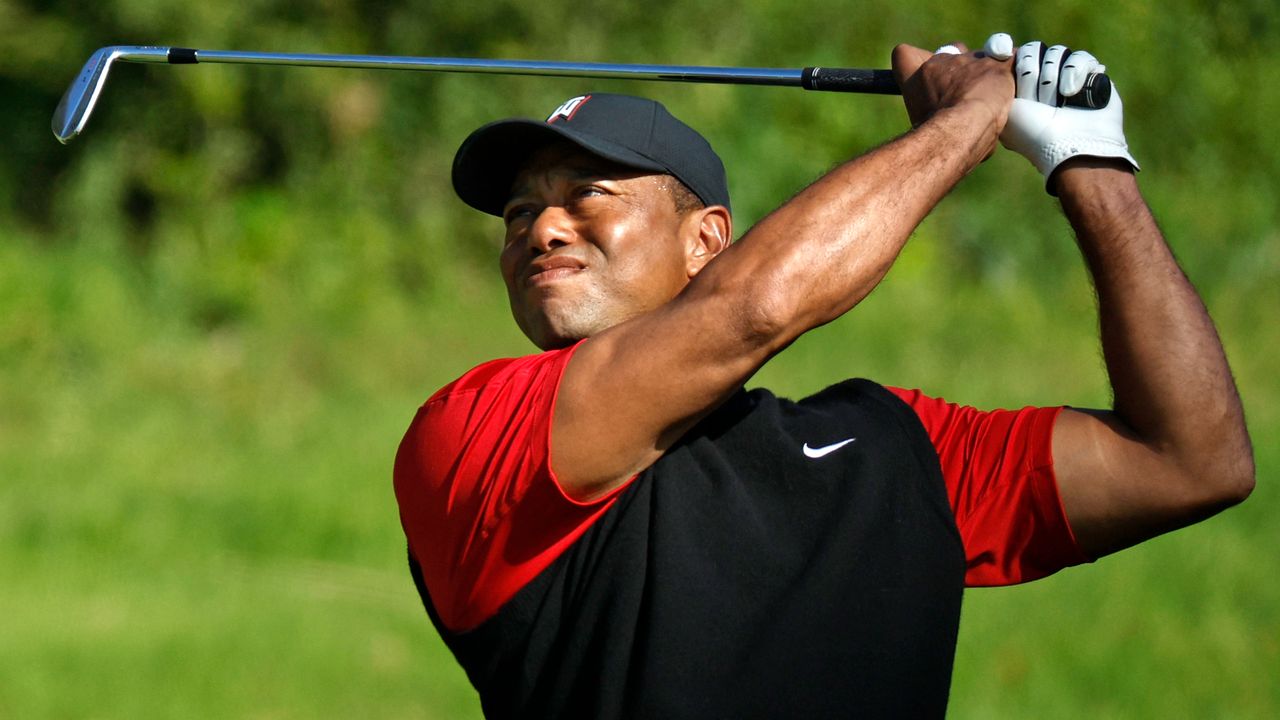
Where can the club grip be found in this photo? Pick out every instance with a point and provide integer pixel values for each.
(859, 80)
(1095, 94)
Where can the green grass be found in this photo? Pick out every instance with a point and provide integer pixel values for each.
(198, 521)
(220, 308)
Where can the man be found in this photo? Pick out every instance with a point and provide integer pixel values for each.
(613, 527)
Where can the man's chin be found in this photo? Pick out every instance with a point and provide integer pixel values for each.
(552, 337)
(560, 323)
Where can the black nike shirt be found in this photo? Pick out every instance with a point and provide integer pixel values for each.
(741, 577)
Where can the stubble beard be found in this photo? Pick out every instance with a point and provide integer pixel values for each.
(560, 323)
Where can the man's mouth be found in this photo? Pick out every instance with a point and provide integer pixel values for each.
(546, 270)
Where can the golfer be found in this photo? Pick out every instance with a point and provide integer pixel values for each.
(614, 527)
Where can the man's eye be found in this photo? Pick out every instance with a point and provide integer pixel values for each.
(517, 212)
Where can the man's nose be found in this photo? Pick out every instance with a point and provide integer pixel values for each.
(551, 229)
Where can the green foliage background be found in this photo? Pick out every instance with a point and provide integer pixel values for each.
(220, 307)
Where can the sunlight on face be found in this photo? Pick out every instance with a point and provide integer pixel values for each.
(589, 244)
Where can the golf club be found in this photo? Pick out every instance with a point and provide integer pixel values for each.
(77, 104)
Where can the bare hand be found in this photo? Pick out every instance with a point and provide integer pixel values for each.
(932, 82)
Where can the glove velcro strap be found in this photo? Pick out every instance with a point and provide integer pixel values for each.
(1063, 149)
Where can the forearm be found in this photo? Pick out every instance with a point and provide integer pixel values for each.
(818, 255)
(1172, 386)
(814, 258)
(803, 265)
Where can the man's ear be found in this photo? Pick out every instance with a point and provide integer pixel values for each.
(708, 231)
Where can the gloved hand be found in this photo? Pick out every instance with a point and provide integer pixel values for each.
(1040, 130)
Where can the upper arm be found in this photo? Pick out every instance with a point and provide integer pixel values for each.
(632, 391)
(478, 502)
(1119, 490)
(999, 474)
(1174, 449)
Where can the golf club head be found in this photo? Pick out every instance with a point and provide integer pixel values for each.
(77, 103)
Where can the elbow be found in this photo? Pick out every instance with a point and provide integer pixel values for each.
(1239, 472)
(1215, 470)
(769, 317)
(1238, 485)
(1227, 482)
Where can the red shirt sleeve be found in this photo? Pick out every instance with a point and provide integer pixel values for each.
(481, 509)
(998, 468)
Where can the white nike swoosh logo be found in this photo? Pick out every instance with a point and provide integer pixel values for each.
(826, 449)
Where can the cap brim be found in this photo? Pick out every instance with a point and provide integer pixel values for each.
(486, 164)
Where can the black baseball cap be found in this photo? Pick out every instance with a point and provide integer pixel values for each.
(632, 131)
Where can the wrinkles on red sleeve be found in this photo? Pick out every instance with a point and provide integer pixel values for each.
(481, 509)
(998, 468)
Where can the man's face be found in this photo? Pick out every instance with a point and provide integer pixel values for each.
(589, 244)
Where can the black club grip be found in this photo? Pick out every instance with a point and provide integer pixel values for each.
(1095, 94)
(859, 80)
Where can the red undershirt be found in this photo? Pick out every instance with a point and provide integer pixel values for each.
(481, 445)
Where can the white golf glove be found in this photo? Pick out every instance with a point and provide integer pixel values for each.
(1046, 134)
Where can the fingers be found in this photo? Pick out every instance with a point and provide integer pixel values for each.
(953, 76)
(952, 49)
(999, 46)
(1048, 74)
(1043, 74)
(1026, 70)
(1076, 68)
(907, 59)
(1050, 66)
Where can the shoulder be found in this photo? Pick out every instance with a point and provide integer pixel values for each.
(503, 372)
(490, 406)
(863, 396)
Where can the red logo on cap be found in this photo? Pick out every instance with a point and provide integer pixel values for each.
(568, 108)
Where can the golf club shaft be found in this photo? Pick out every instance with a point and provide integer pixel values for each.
(1096, 93)
(77, 104)
(838, 79)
